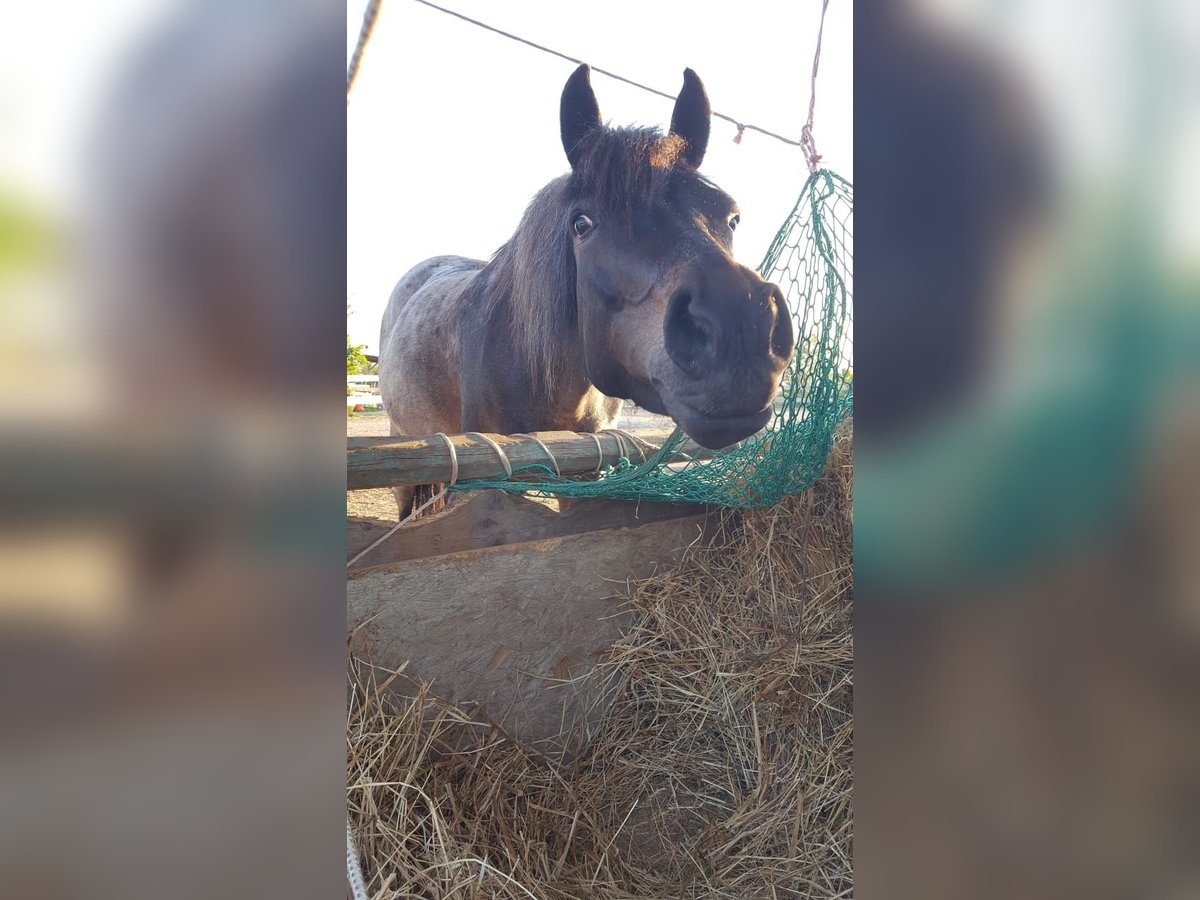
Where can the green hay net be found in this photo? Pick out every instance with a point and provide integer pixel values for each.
(810, 259)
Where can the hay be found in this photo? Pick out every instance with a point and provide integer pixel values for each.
(723, 768)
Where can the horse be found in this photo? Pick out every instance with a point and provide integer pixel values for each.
(618, 284)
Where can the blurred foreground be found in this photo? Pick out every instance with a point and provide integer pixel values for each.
(1027, 516)
(171, 606)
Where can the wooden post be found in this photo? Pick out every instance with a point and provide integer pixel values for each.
(384, 462)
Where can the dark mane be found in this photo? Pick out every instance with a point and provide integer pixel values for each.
(622, 170)
(626, 168)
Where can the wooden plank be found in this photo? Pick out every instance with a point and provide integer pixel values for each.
(382, 462)
(494, 518)
(514, 628)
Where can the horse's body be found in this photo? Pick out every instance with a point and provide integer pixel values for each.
(619, 283)
(432, 336)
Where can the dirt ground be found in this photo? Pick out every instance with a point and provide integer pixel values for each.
(369, 514)
(367, 425)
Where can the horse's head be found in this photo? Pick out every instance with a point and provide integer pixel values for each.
(667, 318)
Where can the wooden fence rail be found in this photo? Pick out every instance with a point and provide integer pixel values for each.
(388, 461)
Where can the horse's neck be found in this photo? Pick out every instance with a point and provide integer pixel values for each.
(557, 397)
(558, 390)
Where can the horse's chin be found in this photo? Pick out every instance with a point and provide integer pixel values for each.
(707, 430)
(717, 432)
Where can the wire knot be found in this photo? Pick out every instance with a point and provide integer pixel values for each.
(810, 148)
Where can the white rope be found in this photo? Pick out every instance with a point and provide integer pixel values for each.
(358, 888)
(635, 441)
(499, 452)
(553, 461)
(453, 457)
(599, 453)
(420, 509)
(621, 451)
(806, 136)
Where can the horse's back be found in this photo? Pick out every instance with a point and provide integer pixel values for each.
(434, 269)
(418, 346)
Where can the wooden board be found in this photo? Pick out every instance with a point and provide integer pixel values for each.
(494, 518)
(513, 628)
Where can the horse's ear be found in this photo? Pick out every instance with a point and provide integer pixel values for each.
(579, 112)
(692, 118)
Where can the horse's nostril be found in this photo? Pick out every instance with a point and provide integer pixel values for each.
(783, 340)
(691, 331)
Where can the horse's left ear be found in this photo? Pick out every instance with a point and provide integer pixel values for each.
(578, 112)
(692, 118)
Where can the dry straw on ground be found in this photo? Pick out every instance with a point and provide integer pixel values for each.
(723, 768)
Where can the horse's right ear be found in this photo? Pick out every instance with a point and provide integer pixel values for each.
(579, 112)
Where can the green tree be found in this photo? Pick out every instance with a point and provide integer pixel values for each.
(356, 362)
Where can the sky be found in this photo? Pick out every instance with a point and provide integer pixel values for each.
(452, 129)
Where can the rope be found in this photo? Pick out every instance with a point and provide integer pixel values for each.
(621, 451)
(499, 452)
(741, 127)
(358, 889)
(806, 138)
(599, 452)
(553, 461)
(637, 443)
(424, 506)
(368, 26)
(453, 457)
(420, 509)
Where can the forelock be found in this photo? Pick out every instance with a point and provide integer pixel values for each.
(625, 169)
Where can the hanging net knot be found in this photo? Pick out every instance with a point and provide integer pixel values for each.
(810, 149)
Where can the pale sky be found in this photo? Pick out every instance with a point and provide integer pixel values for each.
(452, 129)
(433, 171)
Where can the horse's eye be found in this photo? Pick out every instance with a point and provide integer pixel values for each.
(582, 225)
(733, 222)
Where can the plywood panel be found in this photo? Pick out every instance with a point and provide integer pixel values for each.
(514, 628)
